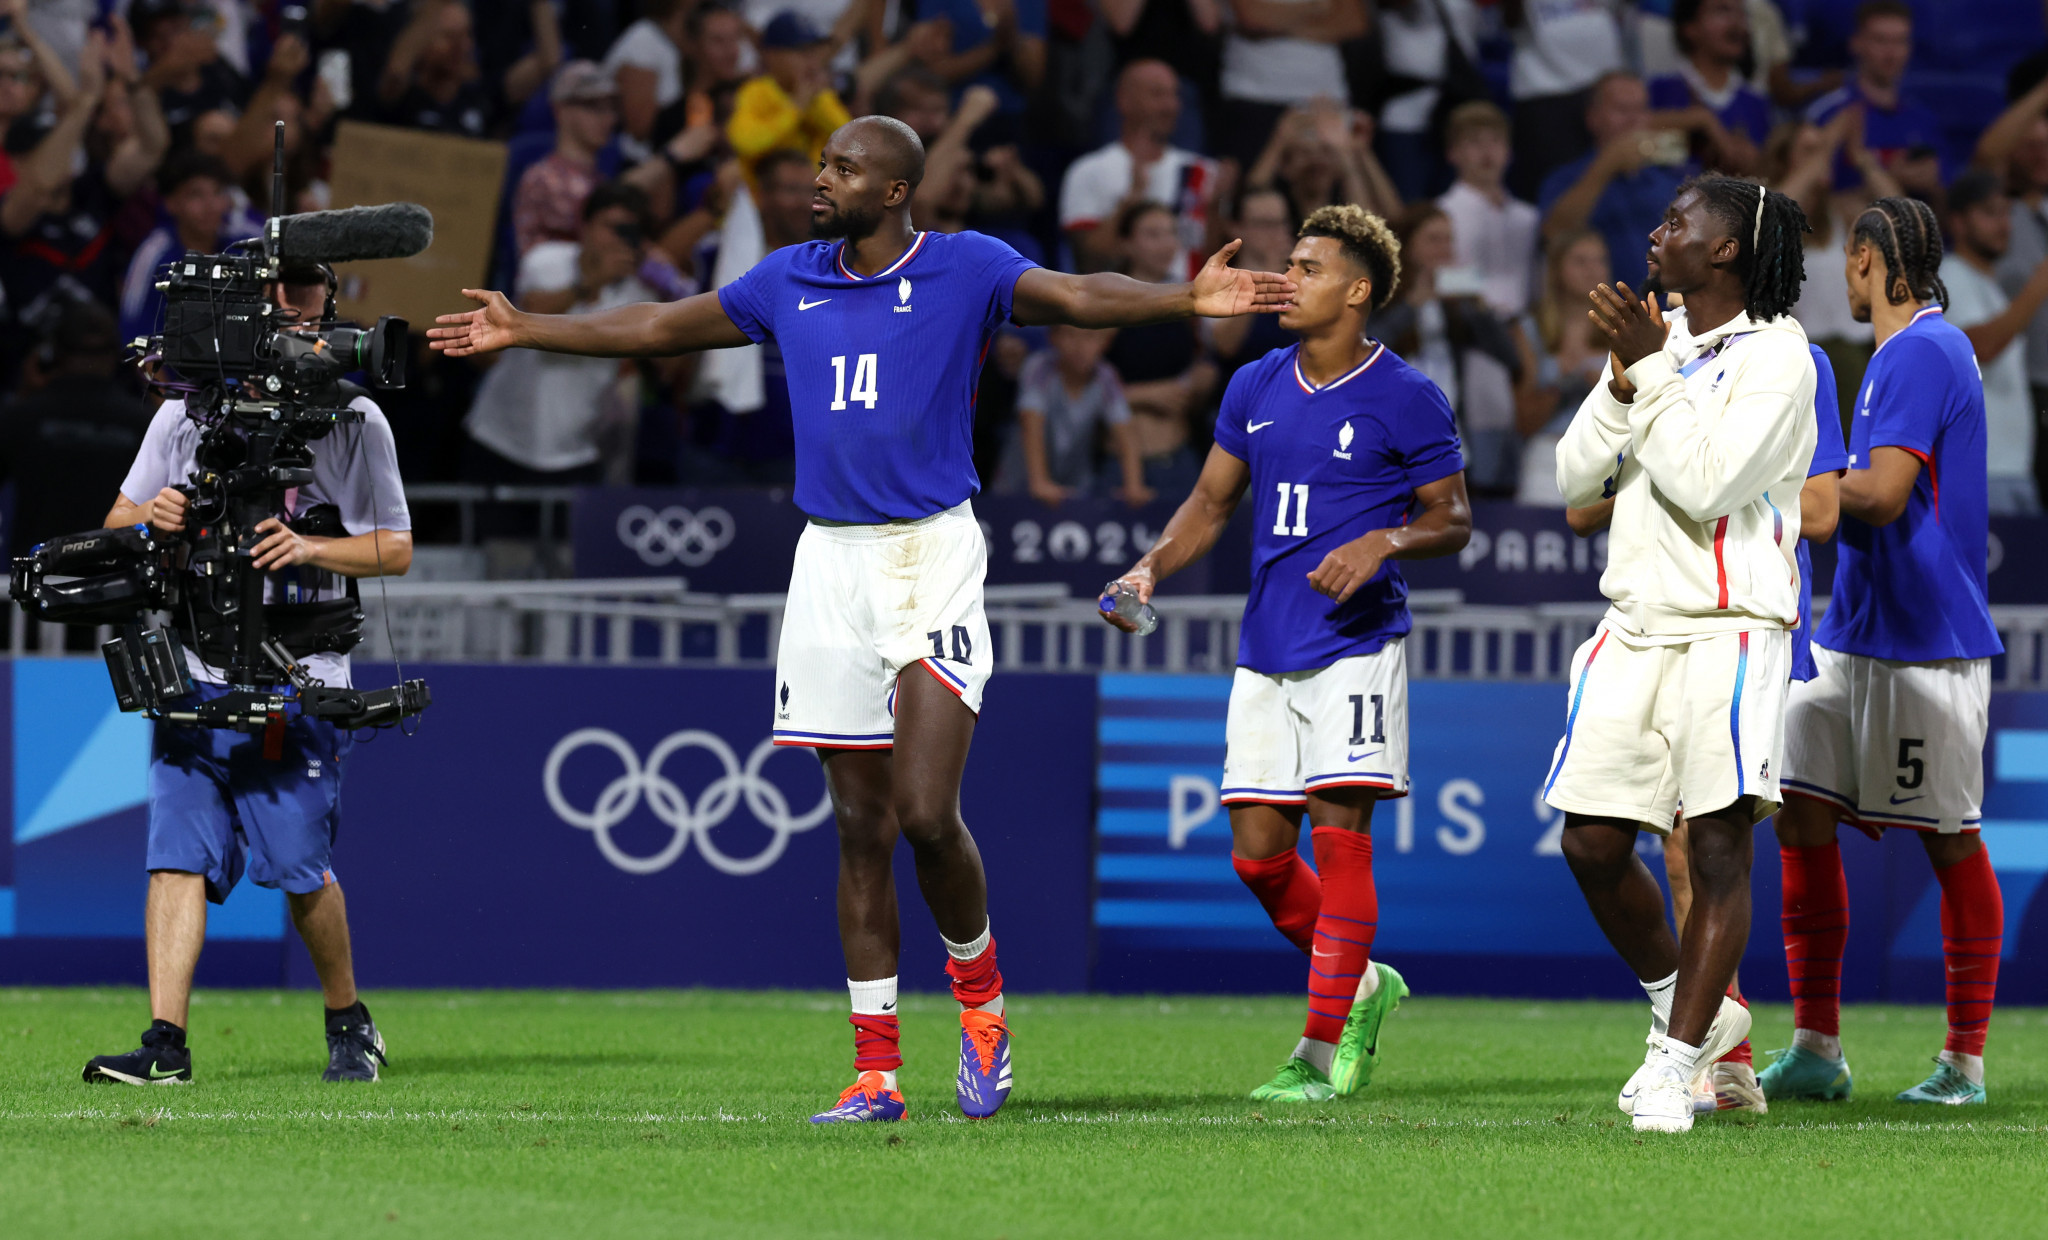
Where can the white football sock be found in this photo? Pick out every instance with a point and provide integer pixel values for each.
(1321, 1054)
(1367, 983)
(1680, 1058)
(1826, 1045)
(875, 998)
(1660, 993)
(968, 951)
(1971, 1066)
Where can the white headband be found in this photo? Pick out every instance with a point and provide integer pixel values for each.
(1757, 234)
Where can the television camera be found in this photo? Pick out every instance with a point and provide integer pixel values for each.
(263, 388)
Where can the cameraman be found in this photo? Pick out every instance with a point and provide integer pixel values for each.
(217, 800)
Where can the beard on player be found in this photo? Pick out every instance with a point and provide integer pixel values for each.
(851, 222)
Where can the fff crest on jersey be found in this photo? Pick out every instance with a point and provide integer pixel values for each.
(903, 295)
(1343, 449)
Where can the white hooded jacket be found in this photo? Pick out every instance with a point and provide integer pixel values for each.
(1705, 467)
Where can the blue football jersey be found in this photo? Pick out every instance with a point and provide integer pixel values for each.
(1915, 590)
(1829, 455)
(882, 369)
(1328, 465)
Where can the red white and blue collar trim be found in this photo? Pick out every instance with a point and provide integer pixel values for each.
(1915, 319)
(1341, 380)
(916, 244)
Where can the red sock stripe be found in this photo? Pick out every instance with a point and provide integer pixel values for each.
(877, 1045)
(1816, 929)
(1341, 948)
(1288, 889)
(1972, 932)
(976, 981)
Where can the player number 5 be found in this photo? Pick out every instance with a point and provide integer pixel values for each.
(863, 381)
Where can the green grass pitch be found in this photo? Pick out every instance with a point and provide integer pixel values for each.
(511, 1114)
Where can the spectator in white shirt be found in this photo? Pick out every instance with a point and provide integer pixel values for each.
(1980, 217)
(1496, 234)
(1278, 54)
(1142, 165)
(1562, 47)
(646, 61)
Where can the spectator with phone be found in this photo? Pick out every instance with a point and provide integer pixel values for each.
(1622, 186)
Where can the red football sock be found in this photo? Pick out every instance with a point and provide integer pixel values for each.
(1342, 947)
(1972, 931)
(877, 1044)
(1289, 890)
(976, 981)
(1816, 924)
(1740, 1054)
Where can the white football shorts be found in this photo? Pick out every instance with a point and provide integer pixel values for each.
(1650, 727)
(866, 602)
(1341, 726)
(1891, 744)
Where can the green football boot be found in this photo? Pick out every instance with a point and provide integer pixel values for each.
(1298, 1080)
(1358, 1049)
(1947, 1085)
(1799, 1073)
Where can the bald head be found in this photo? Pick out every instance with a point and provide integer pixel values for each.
(886, 145)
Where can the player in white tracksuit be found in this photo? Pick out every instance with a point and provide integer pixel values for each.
(1703, 440)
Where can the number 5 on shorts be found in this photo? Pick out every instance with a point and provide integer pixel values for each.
(1909, 762)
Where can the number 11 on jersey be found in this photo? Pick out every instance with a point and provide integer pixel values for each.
(1298, 491)
(863, 381)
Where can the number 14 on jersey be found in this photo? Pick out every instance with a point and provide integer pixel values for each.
(863, 381)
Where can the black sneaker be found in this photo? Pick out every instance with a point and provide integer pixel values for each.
(354, 1047)
(162, 1060)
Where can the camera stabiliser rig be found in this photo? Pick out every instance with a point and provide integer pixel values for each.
(263, 389)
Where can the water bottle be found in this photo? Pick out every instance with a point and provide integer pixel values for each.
(1120, 599)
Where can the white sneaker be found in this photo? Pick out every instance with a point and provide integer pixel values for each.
(1730, 1027)
(1735, 1088)
(1626, 1100)
(1664, 1103)
(1703, 1100)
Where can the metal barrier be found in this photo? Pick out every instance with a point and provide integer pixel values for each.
(658, 621)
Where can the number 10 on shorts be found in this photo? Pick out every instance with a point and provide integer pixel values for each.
(863, 381)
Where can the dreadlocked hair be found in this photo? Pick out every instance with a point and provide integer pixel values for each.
(1906, 233)
(1366, 240)
(1770, 256)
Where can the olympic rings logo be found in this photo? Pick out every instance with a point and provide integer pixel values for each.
(673, 807)
(675, 534)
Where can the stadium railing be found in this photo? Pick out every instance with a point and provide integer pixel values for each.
(659, 621)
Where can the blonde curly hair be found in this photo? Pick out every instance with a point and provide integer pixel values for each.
(1366, 239)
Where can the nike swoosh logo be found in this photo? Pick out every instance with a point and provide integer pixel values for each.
(155, 1075)
(801, 304)
(888, 1007)
(1317, 952)
(1899, 800)
(1256, 426)
(1367, 754)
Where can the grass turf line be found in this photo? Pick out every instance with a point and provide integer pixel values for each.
(513, 1114)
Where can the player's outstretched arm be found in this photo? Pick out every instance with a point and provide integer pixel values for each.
(1195, 526)
(1218, 291)
(1442, 527)
(645, 329)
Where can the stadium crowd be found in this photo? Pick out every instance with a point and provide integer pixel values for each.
(1522, 150)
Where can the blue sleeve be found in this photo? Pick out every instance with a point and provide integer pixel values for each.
(1907, 396)
(1426, 435)
(1669, 91)
(1236, 409)
(1001, 267)
(1829, 452)
(1031, 17)
(749, 300)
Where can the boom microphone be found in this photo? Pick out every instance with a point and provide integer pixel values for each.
(394, 230)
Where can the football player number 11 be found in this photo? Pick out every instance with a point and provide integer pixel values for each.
(1298, 492)
(863, 381)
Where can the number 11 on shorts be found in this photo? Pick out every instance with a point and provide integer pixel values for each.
(1379, 719)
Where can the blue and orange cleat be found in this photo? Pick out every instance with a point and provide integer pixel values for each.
(869, 1100)
(984, 1080)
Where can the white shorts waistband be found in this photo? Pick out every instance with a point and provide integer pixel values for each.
(962, 511)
